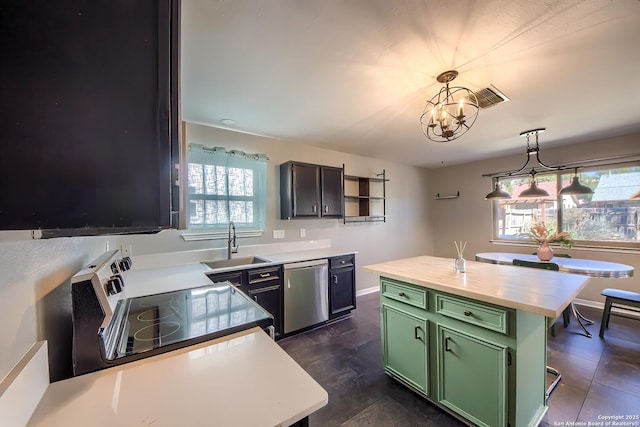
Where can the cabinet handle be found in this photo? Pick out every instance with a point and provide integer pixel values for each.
(401, 294)
(467, 313)
(446, 344)
(314, 209)
(334, 278)
(326, 208)
(263, 275)
(415, 332)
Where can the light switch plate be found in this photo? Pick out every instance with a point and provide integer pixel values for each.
(303, 232)
(278, 234)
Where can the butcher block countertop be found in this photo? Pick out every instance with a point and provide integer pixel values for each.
(533, 290)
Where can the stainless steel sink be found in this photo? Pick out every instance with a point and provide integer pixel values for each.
(223, 263)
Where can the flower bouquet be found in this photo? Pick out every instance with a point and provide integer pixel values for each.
(544, 237)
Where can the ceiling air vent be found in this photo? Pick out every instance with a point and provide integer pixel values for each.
(490, 96)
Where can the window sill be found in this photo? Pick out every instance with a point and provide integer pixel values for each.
(192, 236)
(593, 248)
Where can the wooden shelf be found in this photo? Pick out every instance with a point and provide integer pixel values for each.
(381, 218)
(365, 198)
(356, 178)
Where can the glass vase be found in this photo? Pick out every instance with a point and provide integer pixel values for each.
(461, 265)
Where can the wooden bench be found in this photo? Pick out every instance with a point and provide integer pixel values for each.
(620, 298)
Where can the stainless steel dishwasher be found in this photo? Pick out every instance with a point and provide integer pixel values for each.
(306, 294)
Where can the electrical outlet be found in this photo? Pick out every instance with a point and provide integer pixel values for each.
(278, 234)
(126, 250)
(303, 232)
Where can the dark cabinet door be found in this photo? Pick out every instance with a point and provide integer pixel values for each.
(270, 299)
(331, 191)
(310, 191)
(88, 114)
(342, 285)
(264, 285)
(306, 190)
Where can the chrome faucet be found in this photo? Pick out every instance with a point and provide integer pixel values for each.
(232, 247)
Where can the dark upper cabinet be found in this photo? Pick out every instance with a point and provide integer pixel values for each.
(310, 191)
(89, 101)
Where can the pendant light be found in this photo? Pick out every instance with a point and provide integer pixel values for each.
(575, 187)
(534, 190)
(498, 192)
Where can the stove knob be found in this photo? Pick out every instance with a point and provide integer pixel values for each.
(125, 264)
(119, 281)
(110, 287)
(114, 268)
(115, 284)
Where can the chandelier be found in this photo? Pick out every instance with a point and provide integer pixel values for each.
(451, 112)
(534, 191)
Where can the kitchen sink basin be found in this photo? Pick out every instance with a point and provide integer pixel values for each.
(223, 263)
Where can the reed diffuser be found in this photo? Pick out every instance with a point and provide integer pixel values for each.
(460, 263)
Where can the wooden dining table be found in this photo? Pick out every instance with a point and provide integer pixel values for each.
(581, 266)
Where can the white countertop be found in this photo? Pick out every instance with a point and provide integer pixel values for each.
(158, 279)
(533, 290)
(298, 256)
(241, 380)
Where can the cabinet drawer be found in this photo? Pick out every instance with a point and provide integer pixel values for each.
(403, 293)
(488, 317)
(263, 275)
(235, 277)
(342, 261)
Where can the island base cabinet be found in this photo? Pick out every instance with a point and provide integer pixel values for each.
(472, 378)
(405, 348)
(482, 362)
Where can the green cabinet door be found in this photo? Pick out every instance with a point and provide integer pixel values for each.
(404, 347)
(472, 378)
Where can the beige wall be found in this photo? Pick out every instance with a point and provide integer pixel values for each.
(469, 217)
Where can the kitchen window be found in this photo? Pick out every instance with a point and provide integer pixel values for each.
(223, 186)
(610, 217)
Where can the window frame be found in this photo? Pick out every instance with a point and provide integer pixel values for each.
(560, 211)
(258, 164)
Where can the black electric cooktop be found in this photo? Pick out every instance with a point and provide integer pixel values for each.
(180, 318)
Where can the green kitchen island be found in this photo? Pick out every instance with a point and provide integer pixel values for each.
(472, 343)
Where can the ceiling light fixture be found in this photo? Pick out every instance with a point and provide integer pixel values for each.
(451, 112)
(575, 187)
(498, 192)
(534, 190)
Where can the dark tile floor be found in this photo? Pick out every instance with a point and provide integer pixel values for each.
(599, 377)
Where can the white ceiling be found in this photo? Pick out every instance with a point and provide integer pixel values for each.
(354, 75)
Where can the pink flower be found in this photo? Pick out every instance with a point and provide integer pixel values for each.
(541, 234)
